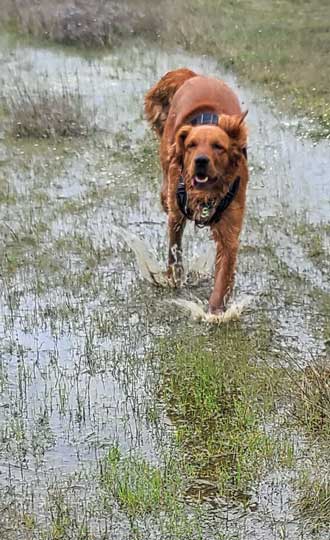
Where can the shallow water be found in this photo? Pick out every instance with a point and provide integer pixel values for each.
(76, 318)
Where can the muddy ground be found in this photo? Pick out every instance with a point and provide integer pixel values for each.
(108, 399)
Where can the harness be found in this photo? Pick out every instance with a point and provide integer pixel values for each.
(205, 118)
(182, 196)
(182, 199)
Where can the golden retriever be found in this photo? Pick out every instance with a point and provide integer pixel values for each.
(203, 153)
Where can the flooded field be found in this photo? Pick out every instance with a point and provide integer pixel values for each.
(121, 417)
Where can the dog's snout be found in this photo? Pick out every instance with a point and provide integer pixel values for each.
(201, 161)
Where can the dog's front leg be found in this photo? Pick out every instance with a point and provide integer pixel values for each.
(225, 265)
(176, 226)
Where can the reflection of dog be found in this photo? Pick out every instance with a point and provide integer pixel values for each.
(203, 141)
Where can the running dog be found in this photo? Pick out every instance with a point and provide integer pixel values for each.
(203, 153)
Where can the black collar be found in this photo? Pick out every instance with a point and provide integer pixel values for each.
(182, 199)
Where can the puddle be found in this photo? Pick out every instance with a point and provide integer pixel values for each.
(79, 313)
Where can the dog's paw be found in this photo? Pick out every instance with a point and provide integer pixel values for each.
(176, 276)
(216, 311)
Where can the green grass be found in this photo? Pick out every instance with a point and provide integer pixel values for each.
(146, 493)
(219, 399)
(267, 43)
(139, 487)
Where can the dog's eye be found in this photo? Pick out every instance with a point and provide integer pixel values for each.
(191, 145)
(217, 146)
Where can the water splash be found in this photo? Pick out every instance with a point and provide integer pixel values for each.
(233, 313)
(197, 270)
(202, 265)
(148, 266)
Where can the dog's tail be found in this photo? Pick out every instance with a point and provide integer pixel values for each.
(158, 99)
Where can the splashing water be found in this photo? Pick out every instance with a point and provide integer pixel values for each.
(201, 265)
(198, 269)
(233, 313)
(148, 266)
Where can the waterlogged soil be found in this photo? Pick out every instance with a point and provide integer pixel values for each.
(79, 327)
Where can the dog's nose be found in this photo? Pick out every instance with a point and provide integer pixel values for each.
(201, 161)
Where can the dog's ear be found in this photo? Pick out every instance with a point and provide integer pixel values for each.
(179, 143)
(242, 116)
(235, 127)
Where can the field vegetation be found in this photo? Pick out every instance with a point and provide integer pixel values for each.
(282, 46)
(119, 416)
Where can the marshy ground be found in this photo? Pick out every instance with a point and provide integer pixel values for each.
(120, 417)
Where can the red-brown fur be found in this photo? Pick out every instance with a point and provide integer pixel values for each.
(169, 106)
(158, 99)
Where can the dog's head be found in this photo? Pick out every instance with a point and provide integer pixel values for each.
(209, 154)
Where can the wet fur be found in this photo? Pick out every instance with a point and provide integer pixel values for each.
(169, 105)
(158, 99)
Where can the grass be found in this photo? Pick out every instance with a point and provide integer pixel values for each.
(310, 389)
(267, 43)
(314, 498)
(314, 240)
(65, 520)
(150, 494)
(325, 328)
(219, 400)
(81, 23)
(139, 487)
(76, 328)
(44, 113)
(223, 399)
(264, 42)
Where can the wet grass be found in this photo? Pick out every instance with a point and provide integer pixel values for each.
(105, 435)
(266, 43)
(80, 23)
(310, 397)
(149, 494)
(45, 113)
(219, 398)
(217, 390)
(325, 306)
(139, 487)
(315, 240)
(314, 497)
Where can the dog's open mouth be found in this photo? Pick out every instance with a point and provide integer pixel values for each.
(200, 180)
